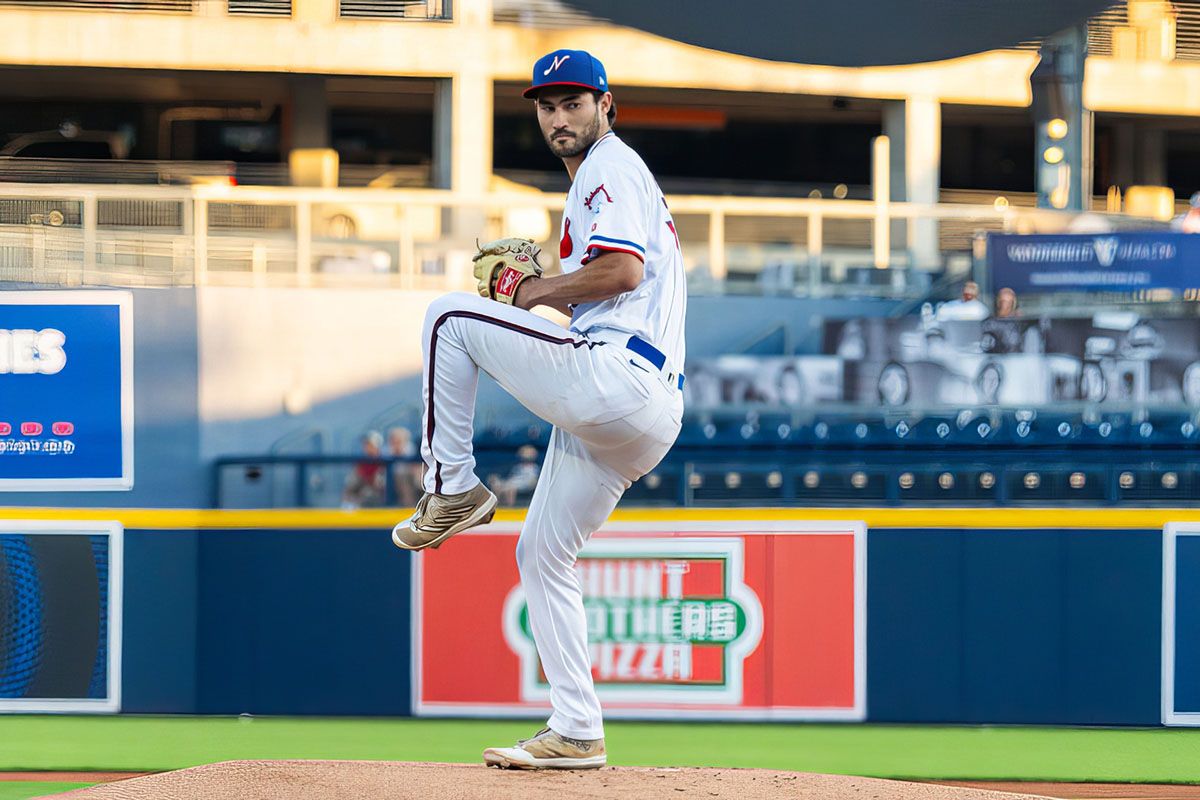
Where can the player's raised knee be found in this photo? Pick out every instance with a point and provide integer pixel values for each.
(454, 301)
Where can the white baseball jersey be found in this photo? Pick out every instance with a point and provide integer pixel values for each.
(615, 205)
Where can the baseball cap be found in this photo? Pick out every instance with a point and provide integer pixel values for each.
(568, 68)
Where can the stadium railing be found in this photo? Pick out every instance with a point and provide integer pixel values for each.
(88, 234)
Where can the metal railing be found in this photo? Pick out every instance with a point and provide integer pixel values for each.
(394, 9)
(176, 6)
(82, 234)
(261, 8)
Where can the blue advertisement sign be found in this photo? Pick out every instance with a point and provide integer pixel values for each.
(66, 390)
(1145, 261)
(1181, 625)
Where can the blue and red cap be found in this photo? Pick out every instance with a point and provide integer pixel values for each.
(568, 68)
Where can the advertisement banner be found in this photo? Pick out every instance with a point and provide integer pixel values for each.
(66, 390)
(755, 620)
(1111, 262)
(60, 616)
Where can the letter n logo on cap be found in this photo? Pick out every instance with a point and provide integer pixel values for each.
(555, 64)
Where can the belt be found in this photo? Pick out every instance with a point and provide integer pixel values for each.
(654, 356)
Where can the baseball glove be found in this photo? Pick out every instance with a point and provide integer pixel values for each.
(503, 265)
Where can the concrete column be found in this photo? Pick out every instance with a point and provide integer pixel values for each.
(1124, 155)
(470, 116)
(319, 11)
(443, 134)
(471, 125)
(309, 112)
(893, 128)
(1151, 156)
(922, 173)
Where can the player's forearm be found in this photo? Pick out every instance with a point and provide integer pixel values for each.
(606, 276)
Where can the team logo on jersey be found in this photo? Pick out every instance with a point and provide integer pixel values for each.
(592, 198)
(661, 614)
(565, 246)
(556, 63)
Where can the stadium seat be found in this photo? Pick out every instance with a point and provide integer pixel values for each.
(946, 484)
(842, 483)
(1168, 483)
(661, 486)
(737, 484)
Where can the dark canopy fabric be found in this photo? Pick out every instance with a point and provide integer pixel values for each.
(847, 33)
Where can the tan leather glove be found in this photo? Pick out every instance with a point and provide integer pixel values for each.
(503, 265)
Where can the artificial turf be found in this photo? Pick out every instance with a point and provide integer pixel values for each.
(153, 743)
(21, 790)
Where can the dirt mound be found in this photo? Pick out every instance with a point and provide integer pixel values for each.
(353, 780)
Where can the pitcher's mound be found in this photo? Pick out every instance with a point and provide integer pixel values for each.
(354, 780)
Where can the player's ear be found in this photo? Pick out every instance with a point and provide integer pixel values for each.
(606, 102)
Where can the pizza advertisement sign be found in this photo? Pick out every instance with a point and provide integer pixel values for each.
(720, 620)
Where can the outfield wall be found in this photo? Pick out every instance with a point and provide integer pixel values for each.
(971, 616)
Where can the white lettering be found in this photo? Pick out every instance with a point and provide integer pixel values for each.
(26, 352)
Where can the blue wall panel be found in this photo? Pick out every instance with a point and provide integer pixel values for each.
(1187, 624)
(303, 622)
(1038, 626)
(1113, 602)
(158, 670)
(914, 626)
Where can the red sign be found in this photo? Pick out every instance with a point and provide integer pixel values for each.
(753, 620)
(31, 429)
(63, 428)
(5, 428)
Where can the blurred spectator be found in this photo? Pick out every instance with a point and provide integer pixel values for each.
(1006, 303)
(1191, 384)
(367, 481)
(523, 477)
(852, 343)
(406, 474)
(1189, 222)
(970, 307)
(1002, 330)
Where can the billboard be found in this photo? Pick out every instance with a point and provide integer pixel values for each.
(1126, 262)
(719, 620)
(66, 390)
(60, 616)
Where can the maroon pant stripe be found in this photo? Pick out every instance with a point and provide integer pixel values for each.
(433, 339)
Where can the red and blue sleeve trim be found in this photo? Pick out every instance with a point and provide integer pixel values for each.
(625, 243)
(595, 249)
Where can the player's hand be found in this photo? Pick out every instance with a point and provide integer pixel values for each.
(503, 265)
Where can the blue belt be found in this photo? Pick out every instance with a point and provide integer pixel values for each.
(651, 354)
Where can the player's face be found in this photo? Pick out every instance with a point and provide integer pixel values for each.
(570, 122)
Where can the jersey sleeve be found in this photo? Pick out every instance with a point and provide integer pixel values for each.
(617, 211)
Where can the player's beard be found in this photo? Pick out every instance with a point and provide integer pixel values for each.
(580, 142)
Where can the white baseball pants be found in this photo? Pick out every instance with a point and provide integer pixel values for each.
(614, 416)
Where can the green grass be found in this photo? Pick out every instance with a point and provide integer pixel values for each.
(920, 752)
(22, 790)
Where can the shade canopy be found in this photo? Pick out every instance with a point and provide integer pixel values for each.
(848, 33)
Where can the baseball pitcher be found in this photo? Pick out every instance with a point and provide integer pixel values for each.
(610, 384)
